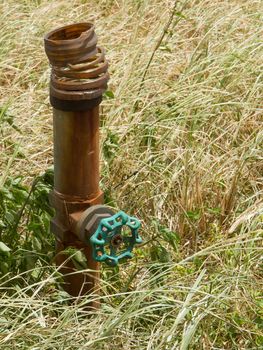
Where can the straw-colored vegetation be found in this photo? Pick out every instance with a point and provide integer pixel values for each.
(181, 149)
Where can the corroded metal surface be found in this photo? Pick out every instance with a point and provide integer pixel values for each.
(76, 153)
(76, 188)
(79, 67)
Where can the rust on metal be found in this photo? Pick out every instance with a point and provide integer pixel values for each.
(78, 79)
(76, 153)
(79, 68)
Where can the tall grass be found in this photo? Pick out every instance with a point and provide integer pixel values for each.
(181, 137)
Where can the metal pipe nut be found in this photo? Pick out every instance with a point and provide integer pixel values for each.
(90, 220)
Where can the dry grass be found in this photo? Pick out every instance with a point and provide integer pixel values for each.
(181, 150)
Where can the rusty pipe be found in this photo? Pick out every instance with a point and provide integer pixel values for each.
(76, 153)
(78, 79)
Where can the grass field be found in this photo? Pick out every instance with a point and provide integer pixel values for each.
(181, 148)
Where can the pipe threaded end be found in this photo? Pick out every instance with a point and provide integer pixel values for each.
(79, 68)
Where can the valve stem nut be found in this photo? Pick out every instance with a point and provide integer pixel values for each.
(116, 240)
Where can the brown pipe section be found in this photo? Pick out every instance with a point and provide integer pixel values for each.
(76, 153)
(78, 79)
(74, 282)
(76, 182)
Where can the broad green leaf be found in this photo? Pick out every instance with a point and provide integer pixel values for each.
(4, 248)
(109, 94)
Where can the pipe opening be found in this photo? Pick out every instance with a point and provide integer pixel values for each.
(79, 67)
(70, 32)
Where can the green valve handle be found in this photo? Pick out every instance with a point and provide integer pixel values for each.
(115, 238)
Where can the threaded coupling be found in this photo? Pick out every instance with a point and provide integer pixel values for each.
(79, 73)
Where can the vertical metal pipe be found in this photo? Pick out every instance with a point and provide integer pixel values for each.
(76, 178)
(78, 79)
(76, 153)
(74, 282)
